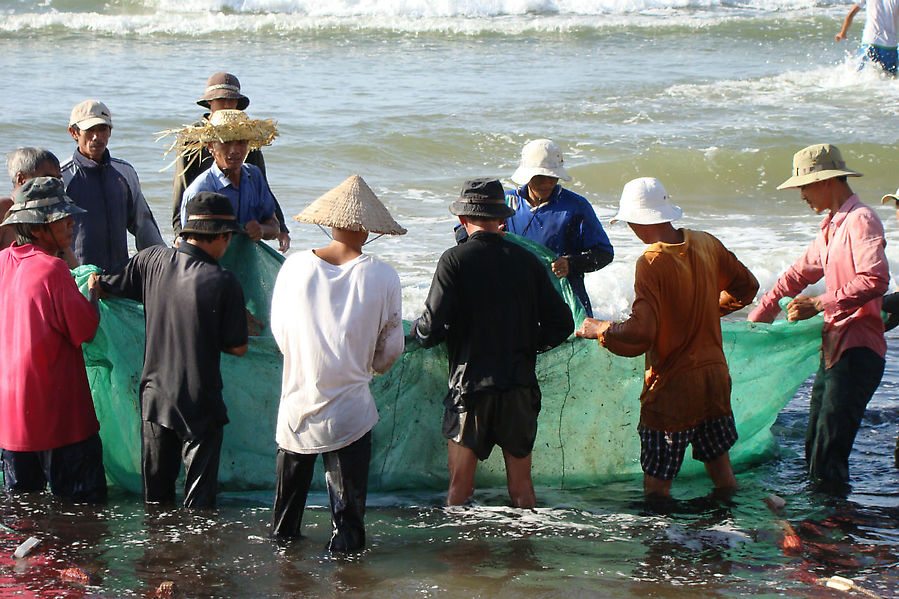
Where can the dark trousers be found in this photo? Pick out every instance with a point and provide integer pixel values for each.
(74, 471)
(163, 451)
(840, 395)
(346, 475)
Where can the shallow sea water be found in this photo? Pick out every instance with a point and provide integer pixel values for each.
(712, 97)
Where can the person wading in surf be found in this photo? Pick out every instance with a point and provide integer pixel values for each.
(848, 253)
(684, 282)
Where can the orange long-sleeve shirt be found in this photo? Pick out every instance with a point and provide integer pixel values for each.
(682, 290)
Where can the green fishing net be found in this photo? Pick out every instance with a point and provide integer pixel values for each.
(587, 428)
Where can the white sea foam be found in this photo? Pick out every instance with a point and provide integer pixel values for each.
(454, 17)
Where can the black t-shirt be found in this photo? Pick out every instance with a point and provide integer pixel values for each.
(193, 309)
(494, 304)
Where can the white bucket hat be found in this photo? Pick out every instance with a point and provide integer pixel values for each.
(352, 206)
(645, 202)
(540, 157)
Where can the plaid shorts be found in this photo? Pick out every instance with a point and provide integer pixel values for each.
(662, 454)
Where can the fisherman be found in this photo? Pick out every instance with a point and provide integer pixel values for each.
(194, 311)
(48, 427)
(558, 218)
(848, 253)
(228, 135)
(494, 304)
(685, 280)
(891, 303)
(879, 39)
(222, 91)
(24, 164)
(108, 188)
(337, 318)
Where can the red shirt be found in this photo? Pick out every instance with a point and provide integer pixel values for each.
(45, 400)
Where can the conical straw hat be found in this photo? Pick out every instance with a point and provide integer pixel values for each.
(352, 206)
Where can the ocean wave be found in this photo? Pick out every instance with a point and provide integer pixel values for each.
(275, 24)
(464, 17)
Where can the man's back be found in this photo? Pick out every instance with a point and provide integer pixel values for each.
(494, 304)
(881, 22)
(193, 309)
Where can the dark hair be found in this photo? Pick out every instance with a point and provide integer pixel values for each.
(23, 232)
(843, 178)
(203, 237)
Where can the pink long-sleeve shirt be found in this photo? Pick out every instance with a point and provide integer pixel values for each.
(849, 253)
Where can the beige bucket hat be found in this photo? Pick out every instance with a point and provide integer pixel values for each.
(817, 163)
(352, 206)
(645, 202)
(540, 157)
(890, 196)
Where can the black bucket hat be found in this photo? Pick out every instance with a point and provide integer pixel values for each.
(482, 198)
(41, 200)
(223, 86)
(209, 212)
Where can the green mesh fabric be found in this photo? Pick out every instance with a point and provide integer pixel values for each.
(587, 430)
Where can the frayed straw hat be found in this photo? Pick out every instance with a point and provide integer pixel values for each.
(351, 206)
(223, 126)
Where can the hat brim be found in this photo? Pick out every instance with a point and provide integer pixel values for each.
(212, 227)
(800, 180)
(86, 124)
(43, 216)
(890, 196)
(524, 174)
(481, 209)
(649, 216)
(242, 100)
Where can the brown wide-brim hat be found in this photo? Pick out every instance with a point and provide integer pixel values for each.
(351, 206)
(223, 86)
(210, 212)
(817, 163)
(482, 198)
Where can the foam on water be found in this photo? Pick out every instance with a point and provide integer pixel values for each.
(454, 17)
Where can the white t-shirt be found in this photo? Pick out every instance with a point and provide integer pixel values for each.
(336, 326)
(881, 22)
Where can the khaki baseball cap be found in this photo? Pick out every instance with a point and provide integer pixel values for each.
(90, 113)
(817, 163)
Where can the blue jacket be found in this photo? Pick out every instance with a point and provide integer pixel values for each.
(110, 192)
(567, 225)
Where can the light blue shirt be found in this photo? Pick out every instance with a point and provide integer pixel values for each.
(252, 201)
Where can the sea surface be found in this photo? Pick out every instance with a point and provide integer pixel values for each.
(711, 97)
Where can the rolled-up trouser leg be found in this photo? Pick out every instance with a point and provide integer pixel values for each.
(346, 473)
(841, 401)
(201, 468)
(292, 482)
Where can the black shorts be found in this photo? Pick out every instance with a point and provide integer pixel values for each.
(507, 418)
(662, 454)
